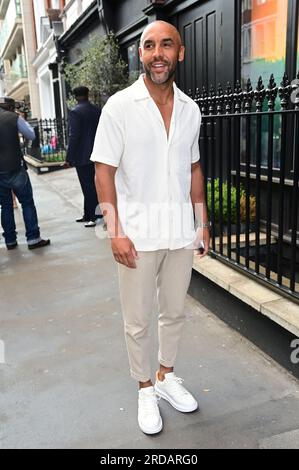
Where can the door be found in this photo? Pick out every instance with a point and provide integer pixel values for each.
(207, 32)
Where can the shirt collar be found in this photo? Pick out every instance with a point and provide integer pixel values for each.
(141, 92)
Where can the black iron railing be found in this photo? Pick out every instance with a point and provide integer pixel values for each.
(51, 140)
(250, 155)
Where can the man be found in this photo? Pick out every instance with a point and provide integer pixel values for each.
(83, 121)
(14, 177)
(150, 181)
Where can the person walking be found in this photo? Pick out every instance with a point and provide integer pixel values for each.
(151, 185)
(83, 122)
(14, 177)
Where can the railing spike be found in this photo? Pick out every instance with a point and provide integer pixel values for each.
(203, 102)
(228, 88)
(211, 100)
(238, 97)
(285, 91)
(271, 93)
(259, 95)
(272, 83)
(248, 85)
(238, 88)
(248, 96)
(219, 99)
(260, 84)
(285, 80)
(228, 98)
(197, 95)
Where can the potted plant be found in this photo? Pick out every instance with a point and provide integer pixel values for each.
(233, 207)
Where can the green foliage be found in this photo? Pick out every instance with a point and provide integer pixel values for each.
(233, 190)
(55, 156)
(101, 69)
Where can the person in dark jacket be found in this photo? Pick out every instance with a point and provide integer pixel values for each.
(14, 177)
(83, 123)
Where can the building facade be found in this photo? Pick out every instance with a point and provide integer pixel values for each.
(48, 26)
(17, 49)
(55, 19)
(226, 41)
(12, 50)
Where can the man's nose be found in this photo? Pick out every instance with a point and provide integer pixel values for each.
(158, 52)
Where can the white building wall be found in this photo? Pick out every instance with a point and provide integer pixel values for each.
(30, 49)
(39, 11)
(72, 10)
(46, 94)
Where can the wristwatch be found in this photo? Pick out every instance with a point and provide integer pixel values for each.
(204, 225)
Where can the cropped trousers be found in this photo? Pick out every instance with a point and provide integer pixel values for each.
(161, 274)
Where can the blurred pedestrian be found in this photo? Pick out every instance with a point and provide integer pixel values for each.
(83, 122)
(14, 177)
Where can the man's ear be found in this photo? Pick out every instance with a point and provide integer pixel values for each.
(181, 53)
(140, 53)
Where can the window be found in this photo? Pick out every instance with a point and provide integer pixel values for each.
(264, 38)
(133, 58)
(265, 24)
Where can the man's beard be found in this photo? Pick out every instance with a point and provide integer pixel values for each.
(165, 77)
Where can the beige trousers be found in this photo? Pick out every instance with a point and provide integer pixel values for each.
(161, 274)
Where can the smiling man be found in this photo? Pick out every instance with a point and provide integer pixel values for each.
(149, 178)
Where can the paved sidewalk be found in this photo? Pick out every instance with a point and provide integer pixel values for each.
(65, 382)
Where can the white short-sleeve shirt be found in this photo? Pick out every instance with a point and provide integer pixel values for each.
(153, 177)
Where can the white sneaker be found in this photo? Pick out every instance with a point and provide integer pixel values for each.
(149, 419)
(90, 223)
(172, 390)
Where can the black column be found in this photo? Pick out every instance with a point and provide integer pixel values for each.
(56, 89)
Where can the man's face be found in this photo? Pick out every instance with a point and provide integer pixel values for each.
(160, 52)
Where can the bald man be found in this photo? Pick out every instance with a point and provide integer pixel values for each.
(149, 178)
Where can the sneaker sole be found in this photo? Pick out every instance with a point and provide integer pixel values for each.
(151, 431)
(177, 407)
(33, 247)
(11, 247)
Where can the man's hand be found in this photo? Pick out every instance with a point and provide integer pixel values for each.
(124, 251)
(202, 235)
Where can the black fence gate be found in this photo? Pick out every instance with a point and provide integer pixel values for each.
(250, 155)
(51, 140)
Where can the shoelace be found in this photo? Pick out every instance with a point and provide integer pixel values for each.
(175, 383)
(149, 403)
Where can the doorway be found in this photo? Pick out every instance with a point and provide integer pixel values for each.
(207, 32)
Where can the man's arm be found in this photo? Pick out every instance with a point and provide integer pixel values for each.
(74, 137)
(199, 206)
(25, 129)
(122, 247)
